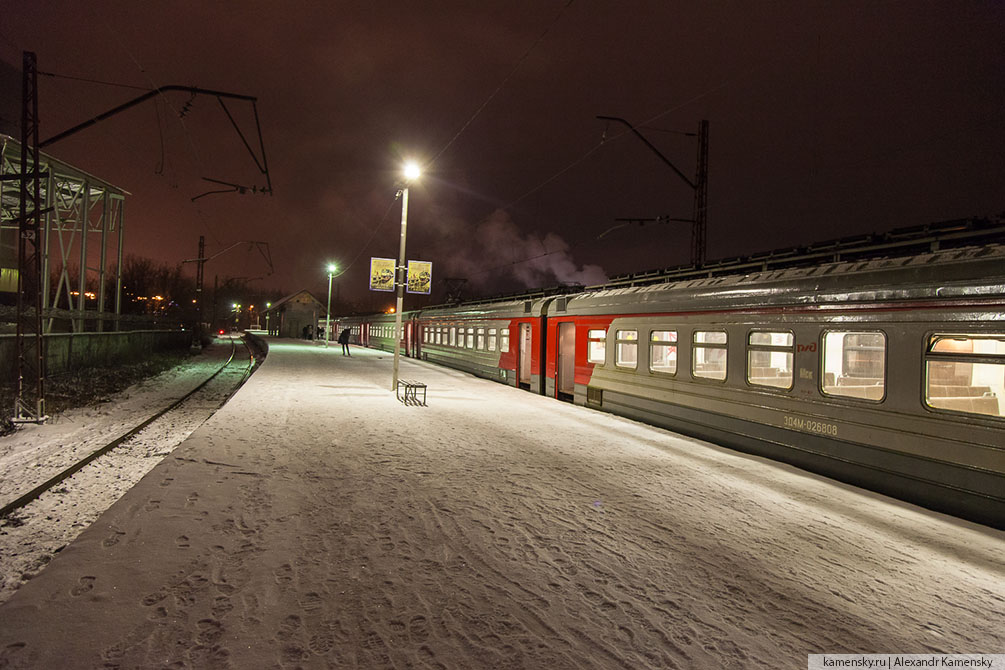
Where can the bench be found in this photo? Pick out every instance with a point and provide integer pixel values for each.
(407, 392)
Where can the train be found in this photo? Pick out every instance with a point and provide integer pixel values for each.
(886, 372)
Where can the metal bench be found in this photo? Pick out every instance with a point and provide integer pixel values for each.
(407, 392)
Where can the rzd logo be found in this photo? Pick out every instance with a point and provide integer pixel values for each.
(800, 348)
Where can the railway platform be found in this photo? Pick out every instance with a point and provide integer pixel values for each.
(317, 522)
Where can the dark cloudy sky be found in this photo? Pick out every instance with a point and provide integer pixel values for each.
(826, 119)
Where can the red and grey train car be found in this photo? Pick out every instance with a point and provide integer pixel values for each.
(888, 374)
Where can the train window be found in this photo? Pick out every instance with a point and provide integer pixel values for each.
(854, 364)
(504, 340)
(492, 339)
(708, 354)
(453, 336)
(663, 352)
(597, 351)
(627, 349)
(481, 339)
(966, 373)
(471, 338)
(769, 359)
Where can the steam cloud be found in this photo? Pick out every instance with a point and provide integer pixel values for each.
(497, 257)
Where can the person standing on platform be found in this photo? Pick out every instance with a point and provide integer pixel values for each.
(343, 339)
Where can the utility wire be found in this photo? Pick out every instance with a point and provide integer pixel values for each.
(505, 80)
(56, 75)
(470, 120)
(376, 229)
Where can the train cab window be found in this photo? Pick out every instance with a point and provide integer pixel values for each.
(481, 339)
(708, 354)
(627, 349)
(492, 339)
(769, 359)
(597, 350)
(471, 338)
(966, 373)
(504, 340)
(663, 352)
(854, 364)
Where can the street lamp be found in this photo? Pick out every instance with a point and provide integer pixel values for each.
(328, 310)
(268, 313)
(412, 172)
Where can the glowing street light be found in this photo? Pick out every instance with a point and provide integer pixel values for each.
(328, 310)
(268, 306)
(412, 172)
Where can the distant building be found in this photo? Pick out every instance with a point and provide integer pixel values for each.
(290, 316)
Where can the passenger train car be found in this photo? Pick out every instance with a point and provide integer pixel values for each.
(887, 373)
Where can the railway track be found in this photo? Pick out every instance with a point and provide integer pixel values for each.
(196, 406)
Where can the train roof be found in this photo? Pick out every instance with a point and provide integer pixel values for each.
(525, 305)
(899, 242)
(968, 272)
(962, 257)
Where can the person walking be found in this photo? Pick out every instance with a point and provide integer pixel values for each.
(343, 339)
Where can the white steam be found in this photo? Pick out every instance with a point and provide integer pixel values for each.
(495, 255)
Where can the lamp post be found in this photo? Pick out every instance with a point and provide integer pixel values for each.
(412, 172)
(328, 309)
(268, 313)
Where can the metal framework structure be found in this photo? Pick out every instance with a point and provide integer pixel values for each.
(30, 401)
(699, 218)
(82, 217)
(699, 231)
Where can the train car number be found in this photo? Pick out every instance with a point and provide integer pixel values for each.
(811, 426)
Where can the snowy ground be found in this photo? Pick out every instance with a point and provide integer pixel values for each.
(316, 522)
(32, 535)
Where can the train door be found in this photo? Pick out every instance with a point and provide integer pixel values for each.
(523, 364)
(565, 362)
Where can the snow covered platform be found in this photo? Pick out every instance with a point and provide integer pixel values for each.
(317, 522)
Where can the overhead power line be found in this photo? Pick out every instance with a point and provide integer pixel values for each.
(505, 80)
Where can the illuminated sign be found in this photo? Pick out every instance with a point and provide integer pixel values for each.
(420, 277)
(382, 274)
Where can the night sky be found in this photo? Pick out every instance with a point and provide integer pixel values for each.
(827, 119)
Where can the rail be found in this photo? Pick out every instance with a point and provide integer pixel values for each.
(68, 472)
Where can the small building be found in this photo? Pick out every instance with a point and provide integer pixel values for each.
(296, 315)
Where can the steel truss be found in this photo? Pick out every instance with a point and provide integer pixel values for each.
(83, 215)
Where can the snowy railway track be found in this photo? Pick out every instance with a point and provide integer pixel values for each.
(218, 386)
(57, 479)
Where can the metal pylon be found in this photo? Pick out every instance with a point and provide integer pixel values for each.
(30, 401)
